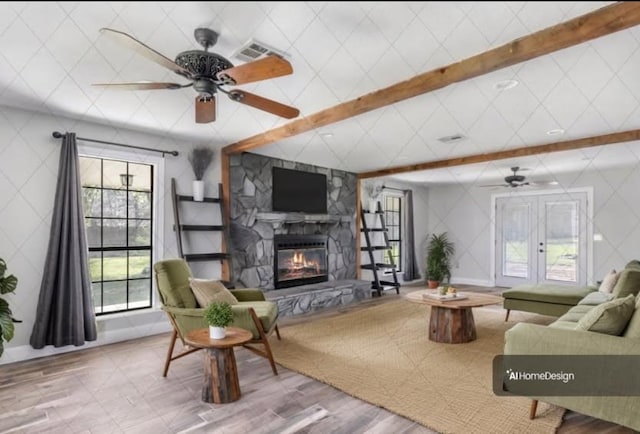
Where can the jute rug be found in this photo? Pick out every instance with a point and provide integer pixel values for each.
(381, 354)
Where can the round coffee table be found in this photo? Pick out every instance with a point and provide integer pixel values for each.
(452, 320)
(221, 383)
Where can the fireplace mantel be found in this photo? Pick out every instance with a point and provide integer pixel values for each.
(279, 218)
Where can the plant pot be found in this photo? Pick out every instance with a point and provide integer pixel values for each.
(216, 332)
(432, 284)
(198, 191)
(373, 206)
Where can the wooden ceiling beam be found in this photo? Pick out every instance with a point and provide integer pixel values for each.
(587, 142)
(604, 21)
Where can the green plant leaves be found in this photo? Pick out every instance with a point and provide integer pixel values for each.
(8, 284)
(6, 322)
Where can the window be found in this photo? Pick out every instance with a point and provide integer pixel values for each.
(393, 221)
(118, 208)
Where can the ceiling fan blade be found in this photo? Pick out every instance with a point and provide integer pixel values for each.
(543, 183)
(205, 109)
(140, 85)
(494, 185)
(265, 104)
(268, 67)
(146, 51)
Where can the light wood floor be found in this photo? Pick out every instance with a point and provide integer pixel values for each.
(119, 389)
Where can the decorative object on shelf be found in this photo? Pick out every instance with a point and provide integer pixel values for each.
(373, 189)
(7, 284)
(200, 159)
(439, 252)
(218, 315)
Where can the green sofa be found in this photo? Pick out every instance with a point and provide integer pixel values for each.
(556, 300)
(566, 336)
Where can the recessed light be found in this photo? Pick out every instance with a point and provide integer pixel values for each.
(326, 135)
(506, 84)
(555, 132)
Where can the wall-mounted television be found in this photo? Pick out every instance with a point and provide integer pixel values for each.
(298, 191)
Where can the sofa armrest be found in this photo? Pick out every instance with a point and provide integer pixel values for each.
(248, 294)
(525, 338)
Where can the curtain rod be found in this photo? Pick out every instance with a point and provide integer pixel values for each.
(59, 135)
(384, 187)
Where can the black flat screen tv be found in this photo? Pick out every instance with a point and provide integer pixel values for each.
(298, 191)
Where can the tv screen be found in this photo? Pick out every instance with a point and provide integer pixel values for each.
(297, 191)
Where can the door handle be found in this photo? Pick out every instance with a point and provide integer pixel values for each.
(541, 251)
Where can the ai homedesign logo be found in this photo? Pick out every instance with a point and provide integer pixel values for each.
(565, 377)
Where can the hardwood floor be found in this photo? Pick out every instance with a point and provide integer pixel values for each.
(119, 388)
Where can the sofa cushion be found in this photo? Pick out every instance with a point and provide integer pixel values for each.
(568, 295)
(609, 282)
(610, 317)
(596, 298)
(210, 291)
(575, 313)
(567, 325)
(635, 264)
(633, 327)
(628, 283)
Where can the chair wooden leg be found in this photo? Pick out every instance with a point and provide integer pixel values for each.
(534, 408)
(264, 341)
(172, 344)
(278, 333)
(506, 318)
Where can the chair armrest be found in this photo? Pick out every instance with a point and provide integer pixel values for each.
(242, 318)
(197, 311)
(248, 294)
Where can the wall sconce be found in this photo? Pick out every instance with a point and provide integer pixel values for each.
(126, 180)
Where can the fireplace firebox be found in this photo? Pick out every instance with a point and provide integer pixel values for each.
(299, 260)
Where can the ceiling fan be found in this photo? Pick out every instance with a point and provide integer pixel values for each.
(208, 73)
(516, 180)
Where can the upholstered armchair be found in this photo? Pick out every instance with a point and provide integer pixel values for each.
(252, 312)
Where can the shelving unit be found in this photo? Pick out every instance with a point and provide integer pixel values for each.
(379, 285)
(181, 230)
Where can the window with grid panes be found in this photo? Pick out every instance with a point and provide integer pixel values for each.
(393, 222)
(118, 204)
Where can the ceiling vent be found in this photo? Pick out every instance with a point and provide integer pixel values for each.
(452, 139)
(254, 50)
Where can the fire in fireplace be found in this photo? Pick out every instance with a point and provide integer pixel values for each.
(299, 259)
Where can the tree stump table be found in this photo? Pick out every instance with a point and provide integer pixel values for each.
(452, 320)
(221, 384)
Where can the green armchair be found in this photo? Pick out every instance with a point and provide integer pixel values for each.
(252, 312)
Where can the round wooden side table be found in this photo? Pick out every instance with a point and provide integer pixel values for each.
(221, 384)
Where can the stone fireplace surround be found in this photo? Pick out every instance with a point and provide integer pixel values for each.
(254, 225)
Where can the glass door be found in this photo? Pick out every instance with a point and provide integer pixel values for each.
(541, 239)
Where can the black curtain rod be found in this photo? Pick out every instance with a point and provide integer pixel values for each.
(384, 187)
(59, 135)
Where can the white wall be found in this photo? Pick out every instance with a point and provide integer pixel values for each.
(28, 170)
(465, 212)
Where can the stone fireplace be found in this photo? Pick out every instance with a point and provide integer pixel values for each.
(299, 260)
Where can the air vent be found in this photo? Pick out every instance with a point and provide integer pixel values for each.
(454, 138)
(254, 50)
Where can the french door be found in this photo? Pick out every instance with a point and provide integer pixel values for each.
(541, 239)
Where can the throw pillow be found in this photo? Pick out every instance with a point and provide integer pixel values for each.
(209, 291)
(633, 328)
(608, 282)
(610, 318)
(628, 283)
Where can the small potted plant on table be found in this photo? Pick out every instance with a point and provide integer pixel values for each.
(218, 315)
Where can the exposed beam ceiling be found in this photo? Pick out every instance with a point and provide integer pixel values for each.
(604, 21)
(587, 142)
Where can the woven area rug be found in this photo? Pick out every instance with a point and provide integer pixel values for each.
(381, 354)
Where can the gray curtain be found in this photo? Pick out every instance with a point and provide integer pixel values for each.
(411, 266)
(65, 310)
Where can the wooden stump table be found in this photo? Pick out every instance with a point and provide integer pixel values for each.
(221, 384)
(452, 320)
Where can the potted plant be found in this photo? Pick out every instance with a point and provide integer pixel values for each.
(7, 284)
(200, 159)
(439, 252)
(218, 315)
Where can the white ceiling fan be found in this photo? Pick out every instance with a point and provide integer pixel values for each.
(515, 180)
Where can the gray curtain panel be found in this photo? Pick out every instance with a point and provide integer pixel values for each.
(65, 310)
(411, 266)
